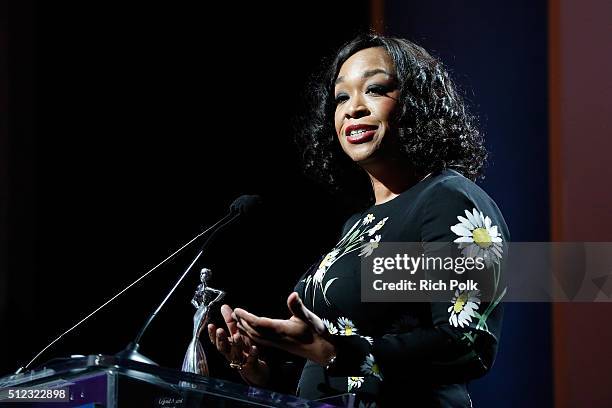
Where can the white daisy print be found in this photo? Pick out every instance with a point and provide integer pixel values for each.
(378, 226)
(368, 219)
(370, 247)
(330, 326)
(478, 237)
(355, 239)
(347, 328)
(370, 367)
(355, 382)
(324, 265)
(464, 306)
(369, 339)
(319, 275)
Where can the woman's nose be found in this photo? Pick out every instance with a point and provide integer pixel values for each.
(357, 108)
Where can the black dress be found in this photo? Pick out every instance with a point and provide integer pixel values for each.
(409, 354)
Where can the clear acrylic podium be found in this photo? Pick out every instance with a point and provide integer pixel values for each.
(109, 382)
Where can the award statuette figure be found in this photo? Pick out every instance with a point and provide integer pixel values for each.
(203, 299)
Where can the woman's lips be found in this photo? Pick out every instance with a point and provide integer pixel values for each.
(361, 137)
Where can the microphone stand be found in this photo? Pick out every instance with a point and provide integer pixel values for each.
(240, 206)
(131, 351)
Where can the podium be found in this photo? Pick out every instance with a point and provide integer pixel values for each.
(108, 381)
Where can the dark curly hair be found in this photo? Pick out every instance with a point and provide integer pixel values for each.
(436, 131)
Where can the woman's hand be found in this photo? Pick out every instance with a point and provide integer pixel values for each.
(239, 350)
(303, 334)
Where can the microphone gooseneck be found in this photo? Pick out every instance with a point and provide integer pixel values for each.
(134, 345)
(241, 205)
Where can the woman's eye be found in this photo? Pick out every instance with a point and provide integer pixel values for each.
(378, 89)
(340, 98)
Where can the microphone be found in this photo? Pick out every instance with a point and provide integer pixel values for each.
(245, 203)
(240, 206)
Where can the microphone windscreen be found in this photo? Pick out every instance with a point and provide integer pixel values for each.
(245, 203)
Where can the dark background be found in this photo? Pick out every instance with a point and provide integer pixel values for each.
(132, 127)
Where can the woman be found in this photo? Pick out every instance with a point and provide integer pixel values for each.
(388, 110)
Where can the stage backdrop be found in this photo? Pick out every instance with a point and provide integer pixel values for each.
(499, 56)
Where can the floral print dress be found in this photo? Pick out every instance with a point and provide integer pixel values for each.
(409, 354)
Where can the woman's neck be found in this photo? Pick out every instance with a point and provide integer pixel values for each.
(391, 180)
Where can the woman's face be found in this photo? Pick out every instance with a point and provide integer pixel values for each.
(366, 95)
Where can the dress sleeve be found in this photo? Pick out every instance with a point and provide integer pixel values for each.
(461, 342)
